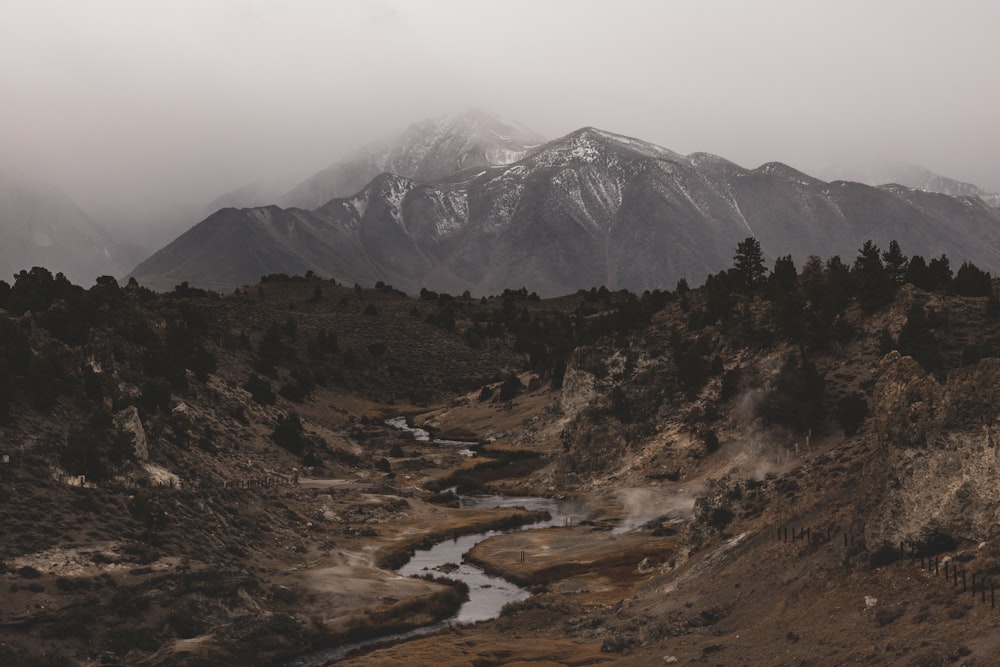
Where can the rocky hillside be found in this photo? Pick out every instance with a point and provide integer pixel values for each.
(590, 209)
(849, 401)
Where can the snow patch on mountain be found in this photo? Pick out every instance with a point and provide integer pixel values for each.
(360, 202)
(451, 211)
(428, 151)
(394, 190)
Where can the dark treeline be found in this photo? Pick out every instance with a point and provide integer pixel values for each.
(167, 335)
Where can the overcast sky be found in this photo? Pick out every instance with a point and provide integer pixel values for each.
(125, 103)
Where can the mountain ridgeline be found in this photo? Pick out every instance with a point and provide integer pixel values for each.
(592, 208)
(430, 150)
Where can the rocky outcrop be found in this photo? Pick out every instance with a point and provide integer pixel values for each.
(128, 420)
(936, 475)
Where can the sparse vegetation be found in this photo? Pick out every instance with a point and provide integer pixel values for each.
(783, 361)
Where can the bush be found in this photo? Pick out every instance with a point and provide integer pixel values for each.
(797, 398)
(28, 572)
(43, 382)
(201, 362)
(260, 390)
(289, 433)
(918, 340)
(96, 448)
(851, 412)
(303, 381)
(710, 439)
(720, 517)
(511, 388)
(156, 392)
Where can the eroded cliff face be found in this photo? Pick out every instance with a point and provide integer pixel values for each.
(936, 477)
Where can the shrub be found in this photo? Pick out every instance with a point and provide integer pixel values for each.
(260, 390)
(797, 398)
(303, 381)
(730, 384)
(710, 439)
(201, 362)
(511, 388)
(289, 433)
(96, 448)
(851, 412)
(917, 338)
(156, 392)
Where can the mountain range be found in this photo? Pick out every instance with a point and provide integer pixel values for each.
(470, 204)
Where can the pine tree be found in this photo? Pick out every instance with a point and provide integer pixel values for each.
(749, 263)
(917, 273)
(896, 263)
(940, 273)
(874, 286)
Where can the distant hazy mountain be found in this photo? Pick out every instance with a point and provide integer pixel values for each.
(426, 151)
(40, 226)
(882, 172)
(592, 208)
(258, 193)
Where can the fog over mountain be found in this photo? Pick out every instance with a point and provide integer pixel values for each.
(41, 226)
(881, 172)
(145, 113)
(429, 150)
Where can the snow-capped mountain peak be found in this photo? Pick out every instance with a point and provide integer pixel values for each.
(429, 150)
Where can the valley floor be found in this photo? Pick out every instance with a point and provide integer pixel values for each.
(319, 569)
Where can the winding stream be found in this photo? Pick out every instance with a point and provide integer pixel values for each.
(487, 594)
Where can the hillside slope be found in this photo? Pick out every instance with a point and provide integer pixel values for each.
(746, 457)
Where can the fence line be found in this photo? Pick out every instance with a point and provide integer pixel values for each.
(973, 581)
